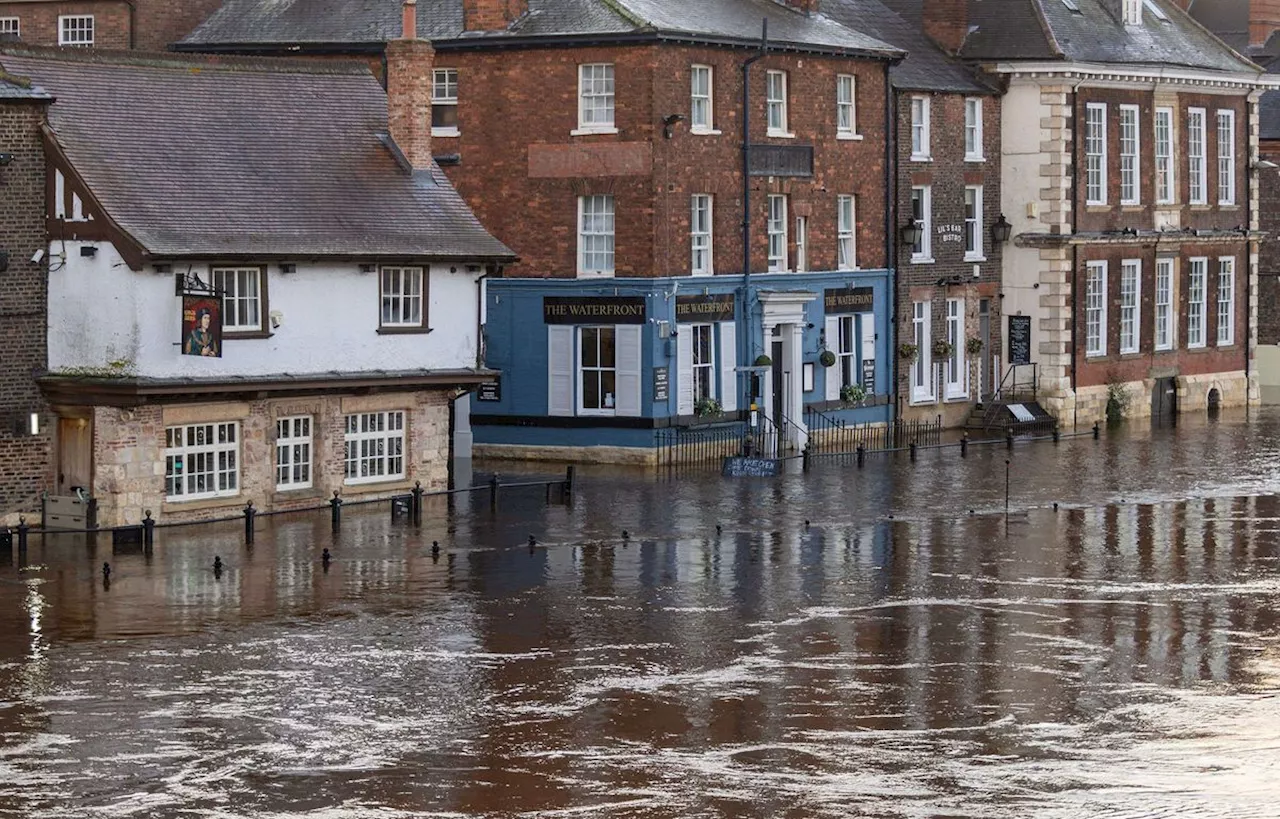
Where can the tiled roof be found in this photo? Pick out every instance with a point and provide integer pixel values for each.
(927, 67)
(263, 24)
(20, 88)
(1085, 31)
(207, 157)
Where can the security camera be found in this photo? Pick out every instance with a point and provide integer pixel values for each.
(37, 257)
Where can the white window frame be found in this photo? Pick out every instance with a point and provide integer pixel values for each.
(847, 107)
(802, 244)
(295, 452)
(1226, 334)
(11, 25)
(701, 236)
(76, 30)
(362, 432)
(846, 350)
(956, 378)
(973, 150)
(1130, 156)
(922, 378)
(221, 446)
(777, 231)
(702, 100)
(922, 253)
(1095, 309)
(1226, 120)
(402, 296)
(921, 144)
(1197, 315)
(1095, 153)
(1197, 169)
(1132, 11)
(973, 248)
(596, 236)
(704, 360)
(1166, 184)
(608, 401)
(443, 81)
(596, 101)
(237, 299)
(846, 232)
(776, 122)
(1130, 306)
(1165, 323)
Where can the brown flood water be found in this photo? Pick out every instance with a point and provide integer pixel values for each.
(898, 657)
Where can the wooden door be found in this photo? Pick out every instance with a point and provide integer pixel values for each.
(75, 455)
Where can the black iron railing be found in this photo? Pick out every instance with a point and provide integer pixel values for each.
(828, 434)
(687, 447)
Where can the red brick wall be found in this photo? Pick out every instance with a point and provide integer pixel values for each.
(1136, 366)
(508, 102)
(161, 23)
(158, 23)
(25, 459)
(1269, 248)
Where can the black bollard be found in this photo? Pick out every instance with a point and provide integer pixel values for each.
(23, 529)
(912, 449)
(1097, 430)
(217, 566)
(493, 492)
(435, 549)
(718, 529)
(335, 510)
(1055, 433)
(418, 492)
(249, 513)
(964, 445)
(862, 455)
(533, 544)
(568, 481)
(148, 532)
(804, 458)
(626, 535)
(106, 572)
(1008, 438)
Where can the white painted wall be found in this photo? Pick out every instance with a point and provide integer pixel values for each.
(1022, 157)
(102, 312)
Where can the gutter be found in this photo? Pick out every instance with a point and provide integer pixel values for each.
(744, 343)
(891, 230)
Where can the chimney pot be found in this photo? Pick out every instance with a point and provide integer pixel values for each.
(410, 64)
(492, 15)
(947, 23)
(409, 20)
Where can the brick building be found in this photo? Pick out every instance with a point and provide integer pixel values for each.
(1129, 138)
(602, 141)
(25, 439)
(211, 341)
(947, 182)
(117, 24)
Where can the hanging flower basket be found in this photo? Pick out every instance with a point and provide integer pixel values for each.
(973, 345)
(763, 360)
(908, 351)
(853, 394)
(827, 358)
(942, 348)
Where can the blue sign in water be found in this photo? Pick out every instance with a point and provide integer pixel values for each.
(738, 467)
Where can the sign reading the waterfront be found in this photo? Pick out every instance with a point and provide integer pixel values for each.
(869, 375)
(593, 309)
(849, 300)
(491, 391)
(661, 384)
(1019, 339)
(705, 308)
(736, 467)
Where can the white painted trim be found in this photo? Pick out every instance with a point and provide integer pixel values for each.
(1142, 76)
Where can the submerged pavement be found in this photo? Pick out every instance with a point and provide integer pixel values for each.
(910, 652)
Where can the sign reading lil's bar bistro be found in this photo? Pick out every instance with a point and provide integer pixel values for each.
(593, 309)
(849, 300)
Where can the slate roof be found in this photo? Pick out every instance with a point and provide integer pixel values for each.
(1050, 29)
(927, 67)
(1229, 21)
(271, 24)
(198, 157)
(20, 88)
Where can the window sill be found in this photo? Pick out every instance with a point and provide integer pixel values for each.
(1096, 207)
(403, 331)
(920, 158)
(780, 134)
(701, 274)
(595, 274)
(969, 258)
(1230, 346)
(235, 335)
(1094, 356)
(445, 132)
(854, 269)
(592, 131)
(1165, 350)
(922, 260)
(922, 401)
(365, 486)
(1228, 206)
(705, 131)
(1132, 207)
(1128, 354)
(777, 270)
(1197, 348)
(975, 159)
(849, 137)
(171, 506)
(287, 494)
(586, 413)
(1200, 206)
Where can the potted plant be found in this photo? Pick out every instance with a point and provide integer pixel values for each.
(973, 345)
(852, 394)
(908, 351)
(942, 348)
(827, 358)
(707, 408)
(763, 360)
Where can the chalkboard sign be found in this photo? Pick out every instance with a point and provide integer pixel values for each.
(492, 391)
(869, 375)
(661, 384)
(1019, 339)
(736, 467)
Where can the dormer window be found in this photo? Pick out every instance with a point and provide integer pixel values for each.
(1132, 12)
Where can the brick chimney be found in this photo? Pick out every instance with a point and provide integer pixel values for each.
(1264, 19)
(946, 22)
(409, 64)
(492, 15)
(806, 6)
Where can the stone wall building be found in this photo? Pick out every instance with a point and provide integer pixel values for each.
(279, 301)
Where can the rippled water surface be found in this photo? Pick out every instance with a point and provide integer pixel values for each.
(911, 652)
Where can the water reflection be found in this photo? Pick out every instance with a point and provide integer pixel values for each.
(899, 656)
